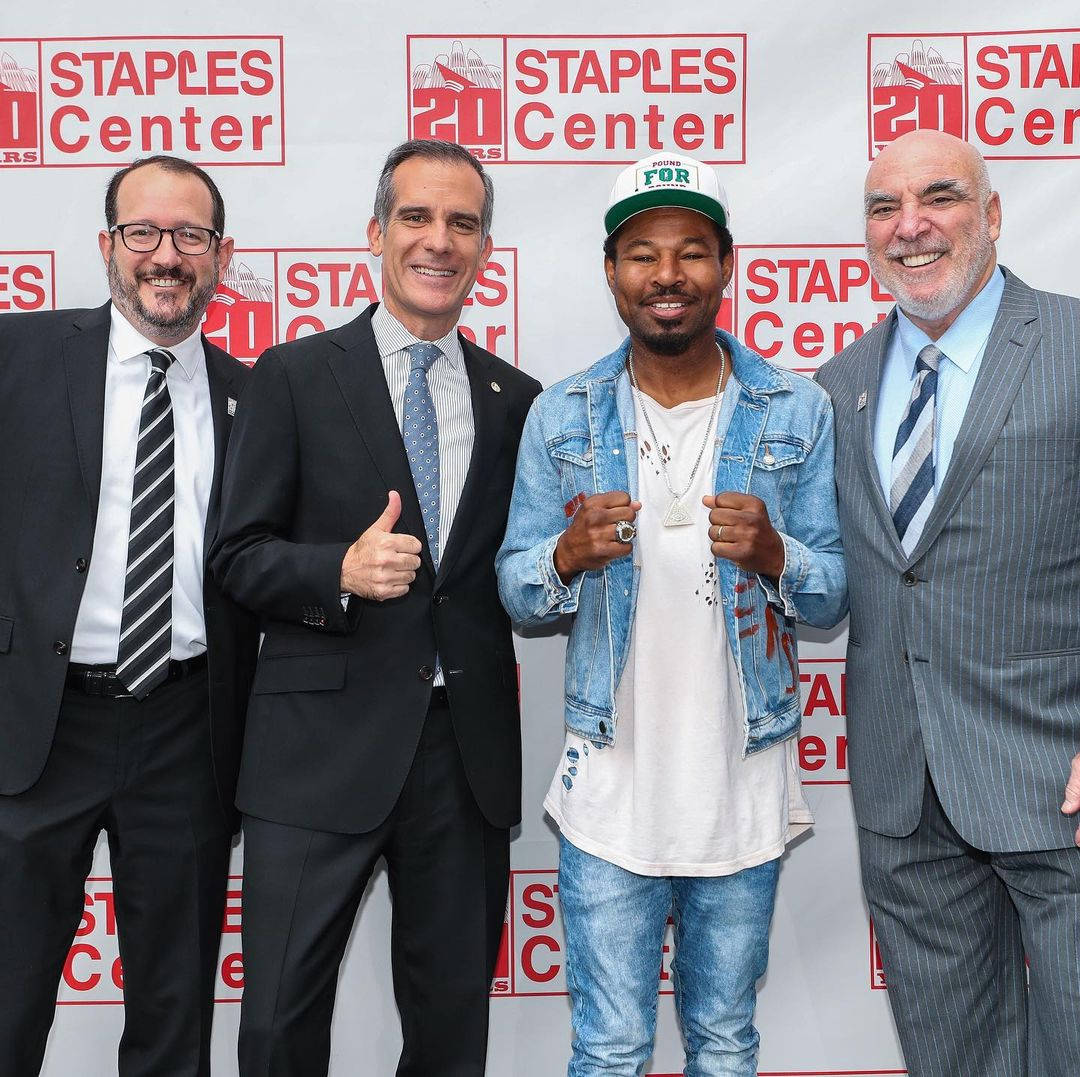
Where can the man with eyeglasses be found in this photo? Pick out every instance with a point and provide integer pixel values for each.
(124, 672)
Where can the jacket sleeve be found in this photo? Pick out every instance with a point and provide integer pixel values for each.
(253, 558)
(530, 588)
(813, 585)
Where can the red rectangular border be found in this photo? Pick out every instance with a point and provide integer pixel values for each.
(964, 36)
(119, 163)
(409, 38)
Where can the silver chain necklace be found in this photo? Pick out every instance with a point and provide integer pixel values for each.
(676, 515)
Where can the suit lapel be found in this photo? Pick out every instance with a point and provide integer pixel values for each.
(219, 377)
(489, 418)
(85, 353)
(356, 366)
(872, 365)
(1013, 340)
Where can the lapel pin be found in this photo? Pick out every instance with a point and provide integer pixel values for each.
(496, 386)
(230, 404)
(862, 401)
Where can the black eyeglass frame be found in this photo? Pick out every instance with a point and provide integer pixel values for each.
(212, 234)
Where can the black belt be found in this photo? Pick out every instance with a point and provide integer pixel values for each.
(102, 680)
(439, 699)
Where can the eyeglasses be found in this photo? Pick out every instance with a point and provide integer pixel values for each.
(144, 238)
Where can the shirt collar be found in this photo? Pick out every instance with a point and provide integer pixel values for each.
(962, 342)
(391, 337)
(128, 343)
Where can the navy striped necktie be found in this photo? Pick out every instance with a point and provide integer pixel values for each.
(911, 496)
(142, 661)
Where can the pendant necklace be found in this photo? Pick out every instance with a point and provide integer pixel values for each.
(676, 515)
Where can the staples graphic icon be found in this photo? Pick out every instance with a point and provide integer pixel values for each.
(914, 85)
(456, 94)
(242, 311)
(19, 143)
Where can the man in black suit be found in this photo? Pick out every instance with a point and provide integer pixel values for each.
(123, 670)
(384, 719)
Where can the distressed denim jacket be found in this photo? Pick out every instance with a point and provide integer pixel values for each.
(580, 437)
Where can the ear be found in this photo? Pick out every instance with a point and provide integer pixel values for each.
(485, 252)
(609, 272)
(993, 216)
(224, 253)
(727, 268)
(374, 236)
(105, 241)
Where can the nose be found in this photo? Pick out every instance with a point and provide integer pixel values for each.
(911, 221)
(668, 270)
(167, 254)
(437, 237)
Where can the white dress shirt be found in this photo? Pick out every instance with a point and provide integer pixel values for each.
(451, 394)
(97, 627)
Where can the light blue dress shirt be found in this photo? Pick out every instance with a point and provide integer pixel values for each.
(962, 345)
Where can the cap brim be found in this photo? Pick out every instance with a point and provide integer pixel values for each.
(622, 211)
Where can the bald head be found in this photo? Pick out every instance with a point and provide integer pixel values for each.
(931, 225)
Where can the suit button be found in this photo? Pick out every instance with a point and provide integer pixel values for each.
(910, 579)
(602, 727)
(440, 599)
(426, 673)
(81, 564)
(60, 647)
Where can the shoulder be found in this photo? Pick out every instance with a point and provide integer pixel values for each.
(508, 376)
(34, 323)
(835, 369)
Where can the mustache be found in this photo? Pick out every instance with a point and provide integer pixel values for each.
(669, 293)
(905, 250)
(167, 273)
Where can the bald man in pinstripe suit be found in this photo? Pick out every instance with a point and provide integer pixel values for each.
(958, 471)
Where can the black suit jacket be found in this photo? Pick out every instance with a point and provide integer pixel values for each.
(340, 697)
(52, 409)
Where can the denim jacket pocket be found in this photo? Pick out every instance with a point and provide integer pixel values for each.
(775, 475)
(574, 454)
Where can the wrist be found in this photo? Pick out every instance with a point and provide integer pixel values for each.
(565, 571)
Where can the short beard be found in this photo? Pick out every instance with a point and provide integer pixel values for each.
(179, 325)
(673, 342)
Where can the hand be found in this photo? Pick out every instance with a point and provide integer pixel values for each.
(1072, 793)
(380, 564)
(589, 542)
(748, 537)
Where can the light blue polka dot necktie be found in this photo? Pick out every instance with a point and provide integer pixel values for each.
(420, 431)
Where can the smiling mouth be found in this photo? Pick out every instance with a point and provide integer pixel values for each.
(914, 261)
(163, 282)
(431, 271)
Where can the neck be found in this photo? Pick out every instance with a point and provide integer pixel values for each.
(674, 379)
(423, 327)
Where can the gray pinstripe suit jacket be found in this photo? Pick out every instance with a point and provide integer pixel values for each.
(965, 656)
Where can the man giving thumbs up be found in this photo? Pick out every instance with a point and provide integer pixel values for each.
(364, 501)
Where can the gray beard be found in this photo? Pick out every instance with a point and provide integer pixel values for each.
(180, 325)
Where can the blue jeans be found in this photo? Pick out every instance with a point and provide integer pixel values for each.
(614, 922)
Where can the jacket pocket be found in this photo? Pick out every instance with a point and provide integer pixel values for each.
(7, 626)
(300, 673)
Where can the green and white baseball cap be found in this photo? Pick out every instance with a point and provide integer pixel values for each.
(666, 180)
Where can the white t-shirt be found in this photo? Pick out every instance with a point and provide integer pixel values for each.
(674, 795)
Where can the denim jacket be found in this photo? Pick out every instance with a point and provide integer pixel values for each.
(580, 437)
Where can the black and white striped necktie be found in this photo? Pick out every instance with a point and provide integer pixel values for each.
(142, 661)
(912, 495)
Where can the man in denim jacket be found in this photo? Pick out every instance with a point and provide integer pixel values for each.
(676, 499)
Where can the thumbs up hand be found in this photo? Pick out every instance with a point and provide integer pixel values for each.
(381, 564)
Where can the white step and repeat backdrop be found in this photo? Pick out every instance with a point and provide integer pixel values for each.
(293, 110)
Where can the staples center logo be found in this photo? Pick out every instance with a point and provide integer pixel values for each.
(103, 101)
(580, 99)
(1014, 95)
(27, 281)
(93, 974)
(798, 305)
(271, 295)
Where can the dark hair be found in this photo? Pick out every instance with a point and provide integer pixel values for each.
(177, 166)
(722, 234)
(431, 150)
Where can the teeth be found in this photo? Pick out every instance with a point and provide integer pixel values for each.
(163, 282)
(912, 261)
(669, 306)
(426, 272)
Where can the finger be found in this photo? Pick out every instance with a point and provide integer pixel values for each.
(729, 499)
(725, 533)
(610, 499)
(1071, 803)
(730, 516)
(610, 516)
(400, 543)
(390, 514)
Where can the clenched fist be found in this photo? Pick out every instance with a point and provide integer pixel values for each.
(741, 531)
(381, 564)
(589, 542)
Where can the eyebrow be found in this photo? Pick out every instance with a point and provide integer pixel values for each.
(948, 186)
(457, 215)
(644, 241)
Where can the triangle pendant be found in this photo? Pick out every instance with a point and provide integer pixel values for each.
(677, 516)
